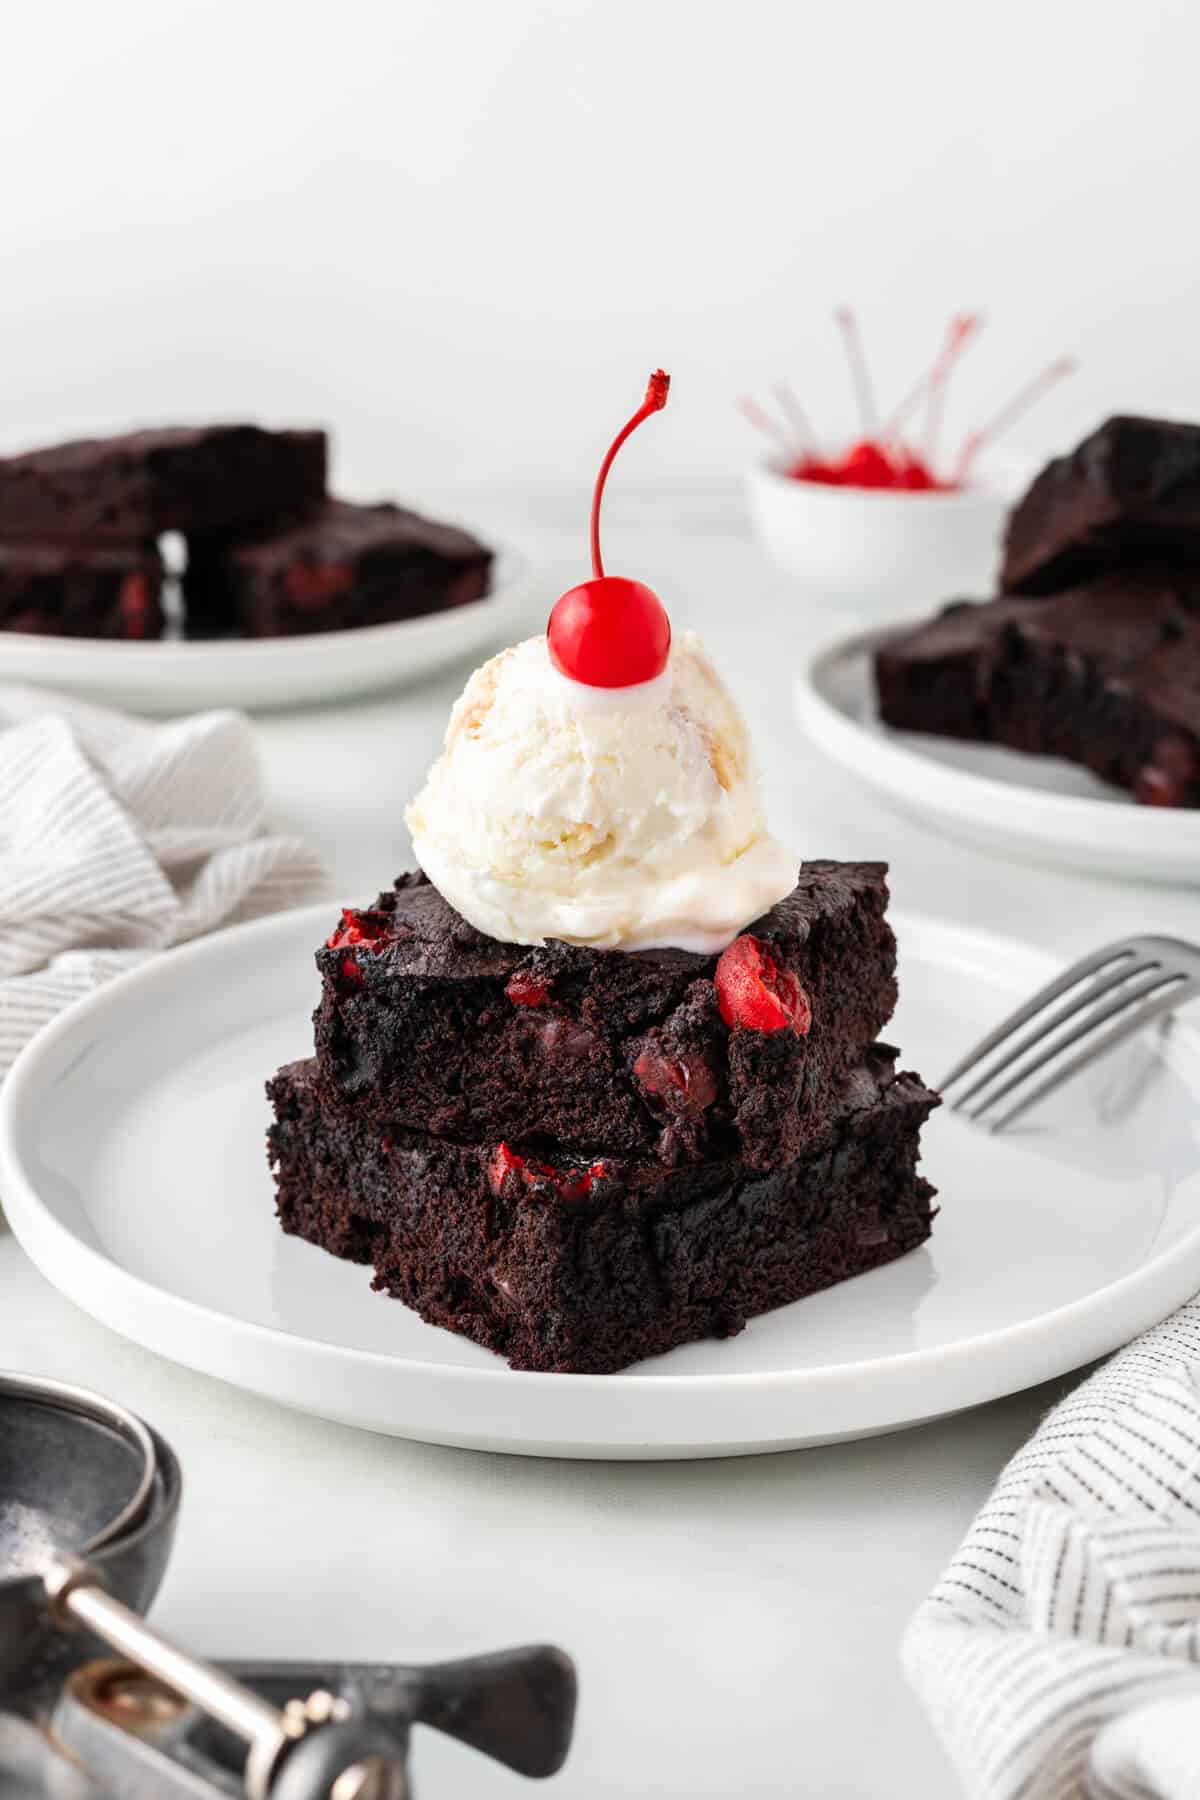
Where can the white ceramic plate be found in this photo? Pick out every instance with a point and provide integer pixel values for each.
(174, 677)
(1002, 800)
(132, 1169)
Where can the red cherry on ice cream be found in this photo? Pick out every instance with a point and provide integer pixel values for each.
(611, 632)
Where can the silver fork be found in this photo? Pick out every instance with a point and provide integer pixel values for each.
(1120, 989)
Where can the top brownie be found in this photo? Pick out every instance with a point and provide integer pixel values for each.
(1129, 491)
(425, 1021)
(178, 478)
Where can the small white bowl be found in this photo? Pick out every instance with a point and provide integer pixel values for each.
(882, 551)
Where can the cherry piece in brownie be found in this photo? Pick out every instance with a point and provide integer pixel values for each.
(658, 1053)
(1128, 493)
(344, 567)
(1106, 675)
(96, 592)
(573, 1265)
(174, 478)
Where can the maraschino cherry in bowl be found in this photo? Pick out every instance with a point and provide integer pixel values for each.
(887, 521)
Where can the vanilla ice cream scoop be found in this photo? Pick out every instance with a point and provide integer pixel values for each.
(623, 818)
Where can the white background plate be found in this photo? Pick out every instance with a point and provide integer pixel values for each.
(173, 677)
(131, 1165)
(1002, 800)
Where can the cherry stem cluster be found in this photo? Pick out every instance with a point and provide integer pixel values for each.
(795, 436)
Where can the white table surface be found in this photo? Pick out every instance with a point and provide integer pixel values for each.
(735, 1623)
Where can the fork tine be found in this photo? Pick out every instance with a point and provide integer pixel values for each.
(1087, 965)
(1129, 997)
(1111, 978)
(1181, 989)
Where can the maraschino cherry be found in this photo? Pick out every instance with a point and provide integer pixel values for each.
(611, 632)
(884, 457)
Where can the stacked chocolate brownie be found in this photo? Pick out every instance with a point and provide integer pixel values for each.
(268, 552)
(580, 1158)
(1092, 650)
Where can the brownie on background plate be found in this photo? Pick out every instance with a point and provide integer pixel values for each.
(572, 1264)
(268, 553)
(1129, 493)
(344, 566)
(105, 591)
(665, 1054)
(132, 488)
(1106, 675)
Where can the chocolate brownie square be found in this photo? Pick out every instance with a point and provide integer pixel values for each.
(657, 1053)
(99, 592)
(1106, 675)
(1129, 492)
(570, 1264)
(344, 567)
(174, 478)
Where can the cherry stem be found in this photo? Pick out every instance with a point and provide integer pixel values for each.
(958, 333)
(962, 329)
(796, 416)
(656, 399)
(762, 421)
(868, 412)
(1065, 365)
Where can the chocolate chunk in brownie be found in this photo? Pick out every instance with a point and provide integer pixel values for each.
(175, 478)
(1106, 675)
(105, 591)
(427, 1022)
(346, 566)
(571, 1264)
(1129, 492)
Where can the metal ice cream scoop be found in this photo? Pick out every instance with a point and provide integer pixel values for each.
(89, 1497)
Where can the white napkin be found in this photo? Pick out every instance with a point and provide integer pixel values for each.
(120, 838)
(1059, 1655)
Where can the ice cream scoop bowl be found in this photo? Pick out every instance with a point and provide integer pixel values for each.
(89, 1498)
(79, 1477)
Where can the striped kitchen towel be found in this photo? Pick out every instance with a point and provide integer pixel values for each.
(120, 838)
(1059, 1655)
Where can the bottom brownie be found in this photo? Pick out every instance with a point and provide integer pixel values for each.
(344, 567)
(73, 591)
(572, 1267)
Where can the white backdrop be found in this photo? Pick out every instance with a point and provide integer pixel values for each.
(463, 230)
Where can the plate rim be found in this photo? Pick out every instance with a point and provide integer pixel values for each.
(34, 1220)
(961, 791)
